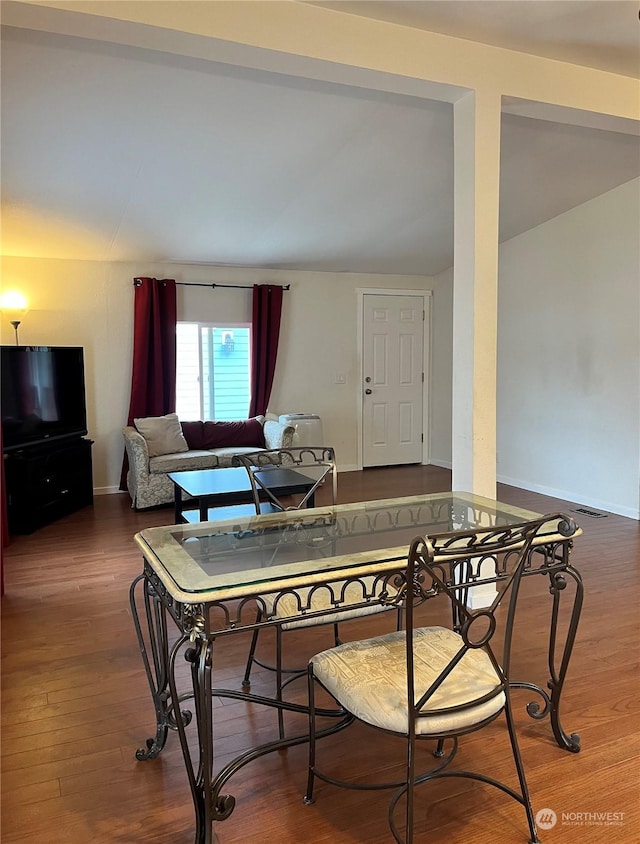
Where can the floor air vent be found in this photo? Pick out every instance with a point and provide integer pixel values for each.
(592, 513)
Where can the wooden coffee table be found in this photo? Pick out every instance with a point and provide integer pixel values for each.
(200, 493)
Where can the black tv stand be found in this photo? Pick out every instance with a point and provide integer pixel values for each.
(47, 481)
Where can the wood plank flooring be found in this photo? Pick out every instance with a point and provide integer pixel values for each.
(75, 705)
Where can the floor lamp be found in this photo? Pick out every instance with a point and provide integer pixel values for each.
(15, 323)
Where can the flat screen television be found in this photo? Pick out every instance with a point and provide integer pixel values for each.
(43, 394)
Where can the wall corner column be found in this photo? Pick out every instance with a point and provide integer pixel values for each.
(475, 291)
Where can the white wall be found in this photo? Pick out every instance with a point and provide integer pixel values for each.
(568, 348)
(569, 355)
(82, 303)
(441, 369)
(317, 339)
(91, 304)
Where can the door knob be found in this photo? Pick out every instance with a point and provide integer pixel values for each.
(368, 392)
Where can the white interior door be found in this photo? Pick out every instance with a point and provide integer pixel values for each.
(393, 379)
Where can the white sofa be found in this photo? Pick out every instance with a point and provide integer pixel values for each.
(147, 479)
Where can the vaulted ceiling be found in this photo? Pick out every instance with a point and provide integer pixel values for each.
(113, 152)
(594, 33)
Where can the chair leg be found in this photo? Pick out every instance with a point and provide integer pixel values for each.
(336, 636)
(246, 682)
(308, 797)
(524, 788)
(279, 679)
(411, 775)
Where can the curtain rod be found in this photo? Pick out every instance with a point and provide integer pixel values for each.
(232, 286)
(137, 282)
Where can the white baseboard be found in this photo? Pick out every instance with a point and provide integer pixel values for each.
(348, 467)
(570, 495)
(108, 490)
(564, 494)
(443, 464)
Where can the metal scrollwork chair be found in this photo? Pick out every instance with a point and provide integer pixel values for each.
(437, 683)
(299, 609)
(316, 463)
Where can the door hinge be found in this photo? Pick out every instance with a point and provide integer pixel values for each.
(423, 377)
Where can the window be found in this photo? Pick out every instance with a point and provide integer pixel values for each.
(213, 378)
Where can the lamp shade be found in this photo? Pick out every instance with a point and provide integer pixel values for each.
(14, 306)
(12, 301)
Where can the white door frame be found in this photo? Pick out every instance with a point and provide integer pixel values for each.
(426, 296)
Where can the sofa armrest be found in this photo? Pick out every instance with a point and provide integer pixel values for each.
(277, 435)
(137, 452)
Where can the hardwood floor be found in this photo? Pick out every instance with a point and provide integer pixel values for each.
(75, 705)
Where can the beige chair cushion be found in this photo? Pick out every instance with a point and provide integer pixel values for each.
(289, 604)
(162, 433)
(369, 678)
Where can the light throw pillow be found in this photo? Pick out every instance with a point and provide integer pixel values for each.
(162, 433)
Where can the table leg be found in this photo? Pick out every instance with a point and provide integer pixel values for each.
(200, 657)
(159, 659)
(177, 505)
(558, 667)
(154, 648)
(557, 586)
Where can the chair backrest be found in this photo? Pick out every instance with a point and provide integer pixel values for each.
(311, 466)
(448, 566)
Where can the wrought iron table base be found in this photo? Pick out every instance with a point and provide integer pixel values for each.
(209, 803)
(159, 659)
(551, 702)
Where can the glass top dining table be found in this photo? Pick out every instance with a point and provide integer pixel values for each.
(236, 558)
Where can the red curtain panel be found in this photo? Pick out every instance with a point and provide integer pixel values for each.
(265, 333)
(153, 373)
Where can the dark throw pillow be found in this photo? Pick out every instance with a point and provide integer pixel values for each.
(204, 435)
(245, 432)
(193, 434)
